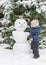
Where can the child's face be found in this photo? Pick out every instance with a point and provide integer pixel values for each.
(34, 23)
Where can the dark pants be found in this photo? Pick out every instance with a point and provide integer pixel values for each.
(34, 47)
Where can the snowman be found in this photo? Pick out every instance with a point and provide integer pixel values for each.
(21, 46)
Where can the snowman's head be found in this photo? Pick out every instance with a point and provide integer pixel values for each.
(20, 24)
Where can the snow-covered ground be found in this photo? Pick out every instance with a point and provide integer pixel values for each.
(8, 57)
(27, 59)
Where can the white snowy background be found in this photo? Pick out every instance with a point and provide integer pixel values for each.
(8, 57)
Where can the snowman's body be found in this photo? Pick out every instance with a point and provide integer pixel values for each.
(21, 45)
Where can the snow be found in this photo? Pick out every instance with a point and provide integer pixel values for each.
(5, 21)
(7, 57)
(43, 42)
(21, 45)
(34, 2)
(20, 24)
(2, 1)
(43, 8)
(20, 37)
(42, 3)
(44, 25)
(21, 53)
(38, 10)
(1, 39)
(28, 3)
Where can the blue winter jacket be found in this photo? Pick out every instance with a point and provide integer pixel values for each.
(34, 33)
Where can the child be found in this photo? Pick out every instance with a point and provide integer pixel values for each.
(34, 37)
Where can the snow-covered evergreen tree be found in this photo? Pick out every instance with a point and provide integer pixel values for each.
(11, 9)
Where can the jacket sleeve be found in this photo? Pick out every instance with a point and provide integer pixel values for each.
(31, 34)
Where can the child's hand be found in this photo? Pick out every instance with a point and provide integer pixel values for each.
(30, 40)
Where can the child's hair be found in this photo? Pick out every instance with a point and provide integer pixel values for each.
(35, 23)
